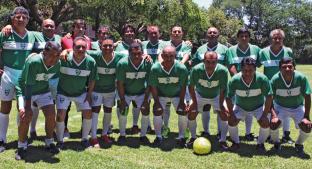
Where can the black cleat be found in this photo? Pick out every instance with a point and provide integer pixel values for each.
(53, 149)
(158, 141)
(144, 140)
(20, 154)
(249, 137)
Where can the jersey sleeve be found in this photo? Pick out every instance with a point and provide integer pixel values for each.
(152, 80)
(196, 59)
(305, 86)
(258, 61)
(193, 77)
(93, 74)
(230, 90)
(266, 87)
(120, 72)
(224, 81)
(183, 76)
(229, 57)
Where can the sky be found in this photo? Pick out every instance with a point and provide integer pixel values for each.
(203, 3)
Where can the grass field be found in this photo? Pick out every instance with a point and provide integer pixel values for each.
(134, 155)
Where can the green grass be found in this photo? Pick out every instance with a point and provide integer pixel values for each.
(134, 155)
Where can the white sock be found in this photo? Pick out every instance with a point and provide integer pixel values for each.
(22, 145)
(206, 120)
(192, 126)
(48, 141)
(4, 124)
(157, 125)
(95, 120)
(144, 125)
(107, 118)
(219, 122)
(248, 123)
(122, 125)
(60, 126)
(86, 127)
(35, 115)
(286, 125)
(234, 134)
(275, 136)
(166, 115)
(136, 115)
(263, 135)
(302, 137)
(182, 123)
(223, 130)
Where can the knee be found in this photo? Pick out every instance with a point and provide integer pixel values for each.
(87, 114)
(305, 127)
(60, 116)
(145, 111)
(107, 109)
(182, 113)
(275, 126)
(96, 109)
(192, 115)
(232, 121)
(264, 123)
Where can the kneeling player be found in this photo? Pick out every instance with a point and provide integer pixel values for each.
(34, 86)
(250, 89)
(75, 73)
(132, 77)
(208, 83)
(290, 90)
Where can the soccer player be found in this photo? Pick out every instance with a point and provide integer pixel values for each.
(292, 99)
(132, 78)
(253, 95)
(168, 80)
(153, 46)
(235, 55)
(208, 85)
(34, 87)
(79, 69)
(102, 34)
(15, 49)
(104, 90)
(211, 45)
(270, 57)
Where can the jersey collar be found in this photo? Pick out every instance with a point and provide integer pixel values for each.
(21, 36)
(107, 63)
(209, 77)
(213, 48)
(45, 66)
(168, 73)
(78, 64)
(244, 52)
(136, 68)
(287, 85)
(248, 85)
(275, 55)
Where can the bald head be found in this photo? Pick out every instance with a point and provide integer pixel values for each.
(169, 49)
(210, 60)
(210, 55)
(169, 54)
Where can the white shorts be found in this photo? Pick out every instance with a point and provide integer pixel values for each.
(174, 100)
(201, 102)
(53, 87)
(242, 114)
(138, 99)
(62, 102)
(107, 99)
(283, 113)
(9, 80)
(42, 99)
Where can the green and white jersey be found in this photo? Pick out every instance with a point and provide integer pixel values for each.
(290, 95)
(95, 45)
(36, 74)
(236, 55)
(252, 96)
(168, 84)
(270, 61)
(181, 49)
(209, 86)
(74, 77)
(153, 49)
(106, 71)
(15, 49)
(41, 41)
(220, 49)
(122, 48)
(135, 79)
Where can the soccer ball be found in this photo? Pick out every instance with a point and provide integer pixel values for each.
(201, 146)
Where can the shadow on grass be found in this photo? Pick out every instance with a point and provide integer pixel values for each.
(38, 154)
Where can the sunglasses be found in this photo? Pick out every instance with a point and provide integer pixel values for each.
(80, 46)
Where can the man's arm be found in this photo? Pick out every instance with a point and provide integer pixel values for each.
(307, 106)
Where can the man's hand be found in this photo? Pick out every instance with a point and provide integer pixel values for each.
(181, 107)
(192, 107)
(68, 35)
(88, 99)
(305, 125)
(7, 30)
(148, 58)
(63, 55)
(264, 121)
(21, 112)
(145, 106)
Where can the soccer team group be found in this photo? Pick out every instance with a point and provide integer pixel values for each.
(43, 70)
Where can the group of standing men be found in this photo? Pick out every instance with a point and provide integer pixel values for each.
(90, 73)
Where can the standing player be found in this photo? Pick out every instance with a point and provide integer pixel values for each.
(235, 56)
(270, 57)
(252, 92)
(154, 45)
(211, 45)
(208, 85)
(132, 77)
(79, 69)
(104, 90)
(102, 34)
(15, 49)
(34, 87)
(292, 99)
(168, 80)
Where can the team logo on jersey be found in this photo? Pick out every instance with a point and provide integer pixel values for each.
(289, 92)
(136, 74)
(7, 92)
(106, 70)
(168, 79)
(78, 72)
(45, 77)
(247, 93)
(23, 45)
(208, 84)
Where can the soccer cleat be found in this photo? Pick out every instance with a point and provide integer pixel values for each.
(20, 154)
(149, 129)
(60, 145)
(158, 141)
(2, 146)
(165, 131)
(277, 146)
(261, 148)
(144, 140)
(85, 143)
(189, 144)
(286, 138)
(33, 135)
(299, 149)
(205, 134)
(135, 129)
(94, 142)
(106, 139)
(53, 149)
(66, 133)
(122, 139)
(234, 147)
(181, 142)
(223, 146)
(250, 137)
